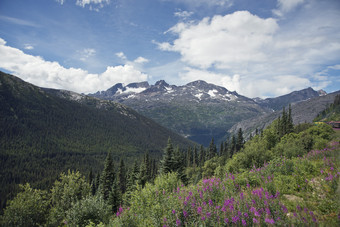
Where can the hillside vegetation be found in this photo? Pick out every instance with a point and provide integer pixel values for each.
(44, 132)
(332, 113)
(285, 175)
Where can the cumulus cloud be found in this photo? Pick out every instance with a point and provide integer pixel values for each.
(271, 56)
(38, 71)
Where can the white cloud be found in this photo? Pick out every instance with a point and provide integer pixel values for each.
(263, 51)
(86, 53)
(141, 60)
(183, 14)
(121, 55)
(38, 71)
(60, 1)
(83, 3)
(210, 3)
(224, 41)
(285, 6)
(28, 47)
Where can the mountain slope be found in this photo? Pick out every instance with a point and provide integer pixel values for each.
(304, 111)
(283, 101)
(197, 110)
(46, 131)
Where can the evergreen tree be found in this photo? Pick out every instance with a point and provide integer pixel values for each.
(147, 162)
(221, 149)
(142, 178)
(90, 178)
(212, 149)
(290, 125)
(122, 176)
(232, 146)
(194, 157)
(108, 177)
(226, 149)
(189, 157)
(240, 140)
(201, 156)
(167, 161)
(178, 166)
(115, 196)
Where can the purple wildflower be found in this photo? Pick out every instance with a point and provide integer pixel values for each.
(255, 220)
(185, 213)
(173, 211)
(178, 222)
(244, 223)
(226, 220)
(269, 221)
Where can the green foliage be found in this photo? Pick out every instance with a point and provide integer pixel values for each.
(28, 208)
(69, 189)
(90, 210)
(332, 113)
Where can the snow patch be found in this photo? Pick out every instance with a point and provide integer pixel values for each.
(199, 96)
(212, 92)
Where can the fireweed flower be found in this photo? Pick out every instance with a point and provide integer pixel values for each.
(244, 223)
(178, 222)
(173, 211)
(185, 213)
(269, 221)
(226, 220)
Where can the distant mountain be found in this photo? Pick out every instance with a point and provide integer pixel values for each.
(283, 101)
(197, 110)
(304, 111)
(46, 131)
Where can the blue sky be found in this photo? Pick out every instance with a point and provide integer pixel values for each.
(258, 48)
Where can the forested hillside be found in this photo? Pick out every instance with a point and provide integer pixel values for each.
(332, 113)
(284, 175)
(43, 133)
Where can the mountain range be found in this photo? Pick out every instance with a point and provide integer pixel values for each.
(198, 110)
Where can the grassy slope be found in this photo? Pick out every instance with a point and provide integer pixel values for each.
(299, 191)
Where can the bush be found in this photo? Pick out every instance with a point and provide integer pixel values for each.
(28, 208)
(91, 209)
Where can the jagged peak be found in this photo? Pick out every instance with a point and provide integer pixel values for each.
(138, 84)
(162, 83)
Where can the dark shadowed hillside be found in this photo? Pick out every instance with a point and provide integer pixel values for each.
(45, 131)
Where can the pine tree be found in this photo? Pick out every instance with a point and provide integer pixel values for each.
(142, 177)
(167, 161)
(240, 140)
(212, 149)
(178, 166)
(194, 157)
(221, 149)
(201, 156)
(189, 157)
(226, 149)
(148, 166)
(108, 177)
(115, 196)
(290, 125)
(122, 176)
(232, 146)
